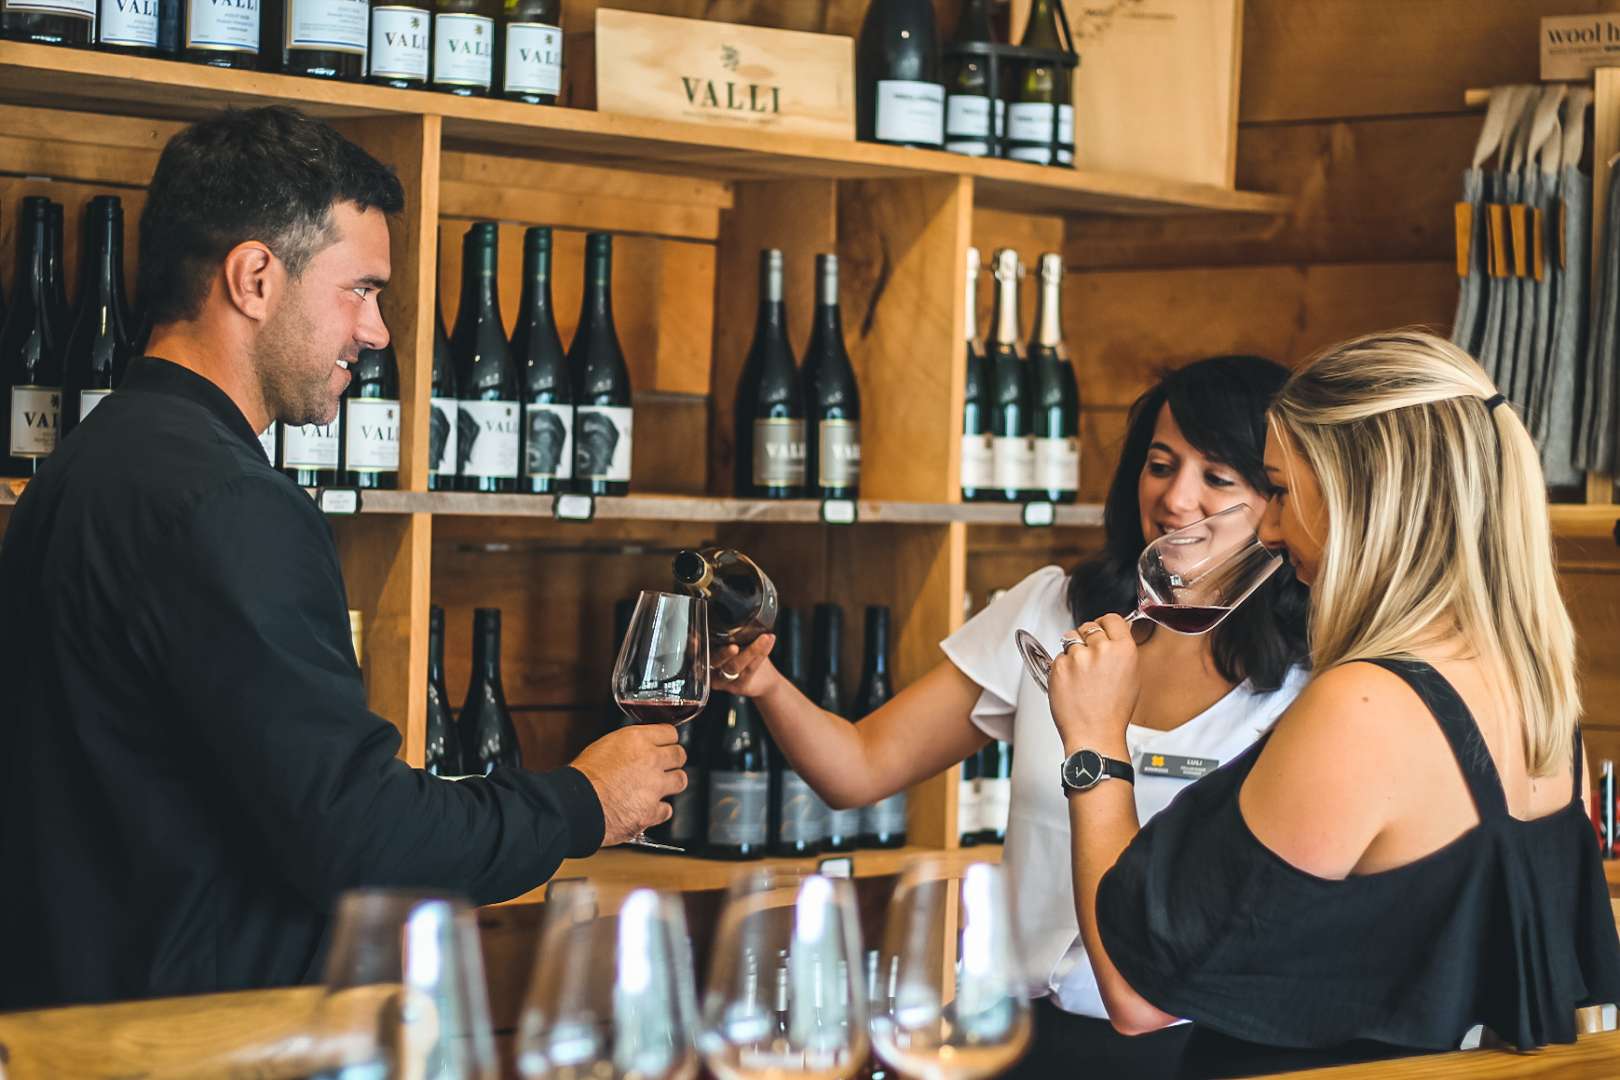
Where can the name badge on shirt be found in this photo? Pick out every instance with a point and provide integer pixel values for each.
(1177, 768)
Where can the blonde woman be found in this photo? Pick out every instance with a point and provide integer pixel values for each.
(1407, 855)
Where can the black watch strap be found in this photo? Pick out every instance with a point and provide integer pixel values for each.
(1085, 769)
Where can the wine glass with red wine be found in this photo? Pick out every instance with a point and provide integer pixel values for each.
(662, 673)
(1188, 580)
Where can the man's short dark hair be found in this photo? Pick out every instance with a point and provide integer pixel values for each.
(270, 175)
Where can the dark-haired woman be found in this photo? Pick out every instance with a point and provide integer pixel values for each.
(1194, 447)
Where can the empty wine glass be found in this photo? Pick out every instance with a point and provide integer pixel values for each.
(967, 1023)
(662, 673)
(1188, 580)
(785, 997)
(405, 994)
(612, 996)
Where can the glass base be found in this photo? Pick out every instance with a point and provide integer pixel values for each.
(1036, 658)
(640, 840)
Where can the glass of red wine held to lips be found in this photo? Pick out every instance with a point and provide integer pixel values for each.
(662, 673)
(1187, 580)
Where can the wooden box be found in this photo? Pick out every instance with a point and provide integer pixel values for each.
(716, 73)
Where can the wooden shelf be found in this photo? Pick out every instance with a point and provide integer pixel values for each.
(39, 75)
(626, 868)
(1590, 521)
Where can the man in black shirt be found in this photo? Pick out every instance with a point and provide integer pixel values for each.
(189, 774)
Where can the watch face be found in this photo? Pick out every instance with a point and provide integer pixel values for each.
(1083, 769)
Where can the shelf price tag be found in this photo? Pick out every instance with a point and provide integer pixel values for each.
(838, 511)
(574, 507)
(338, 500)
(1039, 515)
(839, 866)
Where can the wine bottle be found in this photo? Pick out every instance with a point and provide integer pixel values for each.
(978, 453)
(444, 416)
(487, 406)
(220, 33)
(400, 44)
(488, 738)
(738, 767)
(742, 599)
(323, 39)
(532, 60)
(371, 421)
(883, 824)
(49, 22)
(56, 271)
(548, 389)
(129, 26)
(898, 96)
(30, 353)
(1011, 426)
(1056, 396)
(463, 47)
(1042, 117)
(995, 791)
(769, 414)
(832, 398)
(798, 816)
(98, 347)
(969, 97)
(969, 798)
(604, 420)
(443, 756)
(826, 690)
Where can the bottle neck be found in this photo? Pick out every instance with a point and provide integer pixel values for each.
(597, 306)
(973, 22)
(1041, 31)
(829, 318)
(32, 287)
(436, 651)
(1006, 317)
(877, 648)
(970, 319)
(478, 280)
(486, 658)
(104, 278)
(1049, 314)
(534, 306)
(829, 644)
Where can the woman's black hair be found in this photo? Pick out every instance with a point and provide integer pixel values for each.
(1220, 405)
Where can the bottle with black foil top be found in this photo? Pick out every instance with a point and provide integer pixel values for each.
(488, 738)
(548, 389)
(98, 347)
(443, 757)
(371, 421)
(444, 415)
(1056, 395)
(969, 97)
(487, 379)
(604, 420)
(30, 350)
(832, 398)
(798, 815)
(464, 47)
(742, 599)
(883, 824)
(312, 453)
(898, 96)
(739, 778)
(769, 415)
(532, 51)
(826, 690)
(401, 42)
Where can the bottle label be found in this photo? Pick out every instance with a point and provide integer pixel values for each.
(967, 124)
(886, 817)
(1031, 122)
(88, 400)
(400, 41)
(267, 439)
(328, 25)
(839, 462)
(779, 453)
(910, 112)
(371, 430)
(311, 446)
(73, 9)
(1057, 464)
(602, 438)
(549, 451)
(463, 51)
(443, 430)
(844, 824)
(534, 58)
(968, 818)
(804, 815)
(995, 805)
(489, 438)
(1014, 461)
(129, 22)
(35, 416)
(978, 461)
(223, 25)
(739, 808)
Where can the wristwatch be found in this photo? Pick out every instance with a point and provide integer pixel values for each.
(1085, 769)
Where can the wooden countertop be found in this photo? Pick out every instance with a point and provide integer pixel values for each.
(1593, 1057)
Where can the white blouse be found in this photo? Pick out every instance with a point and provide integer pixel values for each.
(1013, 708)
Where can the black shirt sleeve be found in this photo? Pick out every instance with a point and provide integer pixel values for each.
(245, 624)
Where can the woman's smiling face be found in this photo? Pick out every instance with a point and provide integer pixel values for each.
(1179, 484)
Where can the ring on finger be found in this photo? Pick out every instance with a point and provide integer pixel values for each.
(1088, 631)
(1068, 642)
(728, 676)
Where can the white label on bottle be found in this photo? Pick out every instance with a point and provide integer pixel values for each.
(443, 427)
(739, 808)
(549, 448)
(534, 58)
(968, 818)
(129, 22)
(311, 446)
(400, 42)
(1057, 464)
(328, 25)
(804, 815)
(602, 438)
(35, 416)
(463, 50)
(267, 439)
(838, 453)
(371, 430)
(88, 400)
(886, 817)
(1031, 122)
(844, 824)
(779, 452)
(490, 433)
(226, 25)
(1014, 461)
(74, 9)
(978, 461)
(910, 112)
(995, 804)
(967, 116)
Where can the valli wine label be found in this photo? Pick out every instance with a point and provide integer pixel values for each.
(725, 73)
(1573, 46)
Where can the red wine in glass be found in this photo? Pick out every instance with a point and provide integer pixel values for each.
(1188, 619)
(675, 711)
